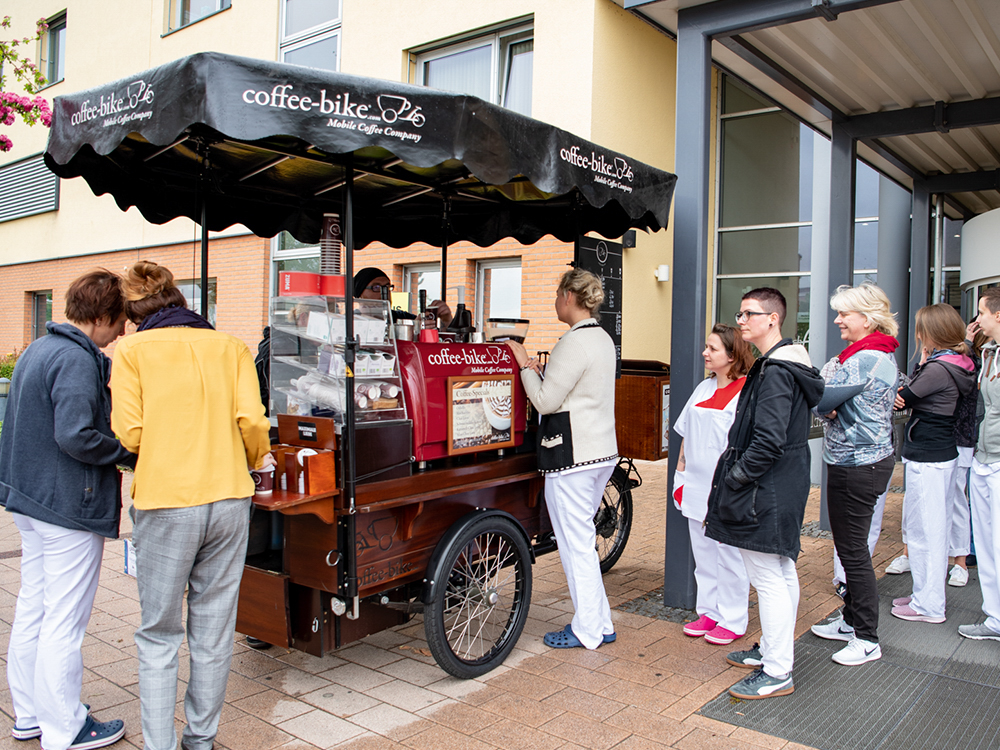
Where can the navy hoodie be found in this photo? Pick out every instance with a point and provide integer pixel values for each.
(58, 455)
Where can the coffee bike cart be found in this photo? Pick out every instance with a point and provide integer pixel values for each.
(396, 495)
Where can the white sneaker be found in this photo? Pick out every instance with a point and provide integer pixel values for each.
(959, 576)
(834, 630)
(900, 565)
(858, 651)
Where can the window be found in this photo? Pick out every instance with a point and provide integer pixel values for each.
(310, 33)
(191, 289)
(41, 312)
(288, 254)
(496, 67)
(498, 290)
(27, 187)
(185, 12)
(52, 52)
(425, 276)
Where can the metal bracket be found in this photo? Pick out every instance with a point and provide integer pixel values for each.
(822, 8)
(941, 117)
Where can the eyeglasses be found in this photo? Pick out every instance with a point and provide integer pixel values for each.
(377, 288)
(745, 315)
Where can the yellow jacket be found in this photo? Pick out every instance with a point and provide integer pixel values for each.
(187, 400)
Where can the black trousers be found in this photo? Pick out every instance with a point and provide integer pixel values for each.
(852, 492)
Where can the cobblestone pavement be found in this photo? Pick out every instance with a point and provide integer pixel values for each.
(386, 691)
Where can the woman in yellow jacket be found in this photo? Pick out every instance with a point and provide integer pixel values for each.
(186, 400)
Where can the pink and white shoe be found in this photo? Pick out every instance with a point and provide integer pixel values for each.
(906, 612)
(901, 601)
(700, 627)
(720, 636)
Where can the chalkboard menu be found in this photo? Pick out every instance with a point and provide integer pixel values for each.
(604, 260)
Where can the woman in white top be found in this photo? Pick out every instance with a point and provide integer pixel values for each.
(721, 576)
(577, 449)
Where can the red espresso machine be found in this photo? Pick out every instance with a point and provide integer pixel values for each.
(462, 398)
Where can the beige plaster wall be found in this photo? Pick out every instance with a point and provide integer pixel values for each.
(105, 41)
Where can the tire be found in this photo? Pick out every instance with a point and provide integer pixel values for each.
(476, 615)
(613, 521)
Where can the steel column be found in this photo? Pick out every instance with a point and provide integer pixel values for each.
(689, 290)
(894, 255)
(920, 257)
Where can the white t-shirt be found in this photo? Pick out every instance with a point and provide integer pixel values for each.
(704, 424)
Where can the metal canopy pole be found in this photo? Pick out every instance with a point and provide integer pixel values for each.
(204, 256)
(687, 326)
(445, 218)
(347, 444)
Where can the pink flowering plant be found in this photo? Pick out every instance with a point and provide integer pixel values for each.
(30, 108)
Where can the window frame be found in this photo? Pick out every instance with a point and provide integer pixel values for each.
(55, 24)
(321, 31)
(488, 265)
(223, 5)
(499, 39)
(38, 326)
(408, 270)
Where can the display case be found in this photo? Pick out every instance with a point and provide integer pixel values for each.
(308, 367)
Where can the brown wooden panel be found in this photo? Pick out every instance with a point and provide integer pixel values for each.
(307, 432)
(310, 614)
(262, 611)
(308, 544)
(638, 416)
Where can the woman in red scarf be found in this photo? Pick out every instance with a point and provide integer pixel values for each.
(857, 408)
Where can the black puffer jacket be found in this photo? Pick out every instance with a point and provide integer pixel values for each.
(761, 483)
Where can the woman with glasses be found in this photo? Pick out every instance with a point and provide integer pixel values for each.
(858, 449)
(704, 423)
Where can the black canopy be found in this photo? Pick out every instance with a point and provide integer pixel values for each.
(266, 144)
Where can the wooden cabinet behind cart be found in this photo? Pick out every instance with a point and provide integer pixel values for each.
(642, 403)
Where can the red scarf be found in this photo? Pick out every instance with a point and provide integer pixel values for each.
(875, 340)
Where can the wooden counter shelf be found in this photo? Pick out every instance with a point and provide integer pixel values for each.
(296, 503)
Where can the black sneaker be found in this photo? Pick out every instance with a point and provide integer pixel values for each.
(841, 589)
(96, 734)
(257, 643)
(750, 659)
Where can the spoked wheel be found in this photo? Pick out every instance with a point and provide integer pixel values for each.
(613, 520)
(479, 607)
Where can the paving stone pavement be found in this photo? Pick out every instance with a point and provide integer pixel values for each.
(387, 692)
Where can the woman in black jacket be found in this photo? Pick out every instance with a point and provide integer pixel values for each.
(761, 484)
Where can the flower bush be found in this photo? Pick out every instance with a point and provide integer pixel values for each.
(7, 362)
(30, 108)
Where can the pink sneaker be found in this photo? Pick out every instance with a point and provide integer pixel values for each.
(699, 627)
(906, 612)
(721, 637)
(901, 601)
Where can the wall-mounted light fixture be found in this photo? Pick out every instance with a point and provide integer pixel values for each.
(662, 273)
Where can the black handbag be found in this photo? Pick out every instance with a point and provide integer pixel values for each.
(555, 442)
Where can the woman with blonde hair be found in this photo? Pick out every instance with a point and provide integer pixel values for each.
(577, 449)
(187, 400)
(943, 375)
(858, 449)
(719, 572)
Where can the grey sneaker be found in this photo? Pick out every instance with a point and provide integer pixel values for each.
(834, 630)
(978, 632)
(747, 659)
(761, 685)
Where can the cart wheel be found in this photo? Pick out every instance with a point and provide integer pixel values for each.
(473, 621)
(613, 521)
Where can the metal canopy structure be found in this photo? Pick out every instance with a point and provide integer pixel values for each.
(910, 86)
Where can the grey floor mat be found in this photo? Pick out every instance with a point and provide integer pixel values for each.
(931, 688)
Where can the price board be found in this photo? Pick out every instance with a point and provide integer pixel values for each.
(603, 258)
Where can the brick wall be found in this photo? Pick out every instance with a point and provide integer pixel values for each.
(542, 264)
(239, 265)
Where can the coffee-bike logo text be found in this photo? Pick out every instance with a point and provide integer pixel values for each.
(117, 107)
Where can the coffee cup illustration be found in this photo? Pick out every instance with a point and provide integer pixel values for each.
(392, 106)
(498, 411)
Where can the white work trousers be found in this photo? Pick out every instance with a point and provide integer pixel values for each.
(60, 569)
(984, 490)
(873, 534)
(572, 499)
(925, 517)
(721, 576)
(959, 518)
(777, 584)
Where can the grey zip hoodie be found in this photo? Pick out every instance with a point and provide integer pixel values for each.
(988, 408)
